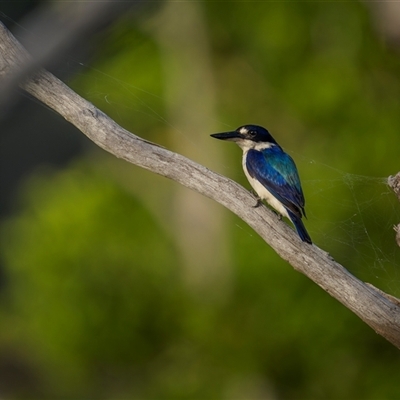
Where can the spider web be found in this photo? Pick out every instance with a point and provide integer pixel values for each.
(349, 215)
(360, 235)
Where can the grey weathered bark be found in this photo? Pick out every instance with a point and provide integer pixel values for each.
(374, 307)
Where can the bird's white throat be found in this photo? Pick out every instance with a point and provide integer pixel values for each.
(246, 145)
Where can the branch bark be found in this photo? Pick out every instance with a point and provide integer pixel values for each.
(394, 184)
(373, 306)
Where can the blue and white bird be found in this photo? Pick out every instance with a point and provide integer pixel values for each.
(271, 172)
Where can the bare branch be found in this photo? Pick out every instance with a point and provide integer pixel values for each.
(371, 305)
(394, 184)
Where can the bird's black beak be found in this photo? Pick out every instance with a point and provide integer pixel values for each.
(227, 135)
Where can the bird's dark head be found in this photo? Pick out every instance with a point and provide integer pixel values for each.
(247, 136)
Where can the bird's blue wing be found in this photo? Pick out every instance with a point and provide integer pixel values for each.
(277, 171)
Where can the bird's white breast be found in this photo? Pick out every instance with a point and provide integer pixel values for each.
(262, 191)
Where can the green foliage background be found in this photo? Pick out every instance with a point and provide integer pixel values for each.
(98, 303)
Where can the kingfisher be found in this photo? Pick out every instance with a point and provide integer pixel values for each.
(271, 172)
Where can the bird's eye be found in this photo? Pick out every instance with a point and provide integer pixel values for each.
(252, 133)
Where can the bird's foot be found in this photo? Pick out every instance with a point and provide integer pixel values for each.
(279, 215)
(259, 203)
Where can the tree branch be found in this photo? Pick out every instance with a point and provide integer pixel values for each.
(394, 184)
(373, 306)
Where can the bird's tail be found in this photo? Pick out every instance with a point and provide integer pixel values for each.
(300, 228)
